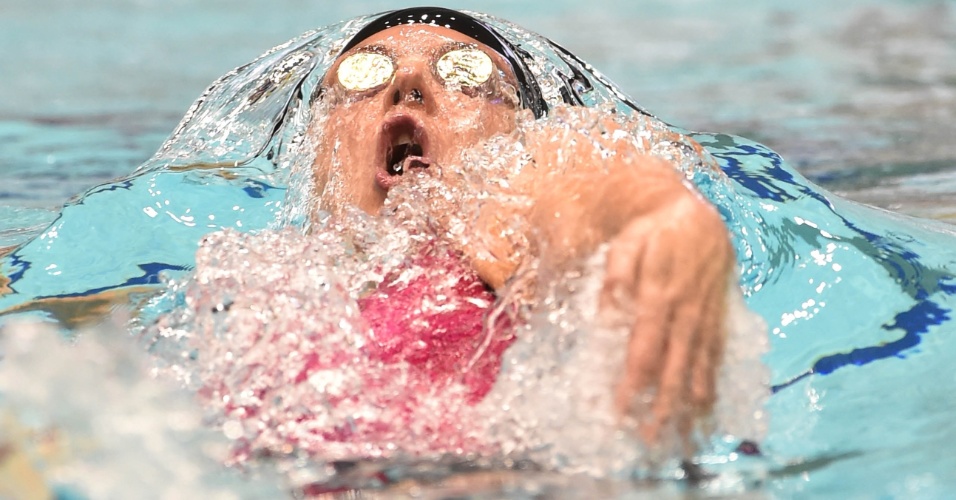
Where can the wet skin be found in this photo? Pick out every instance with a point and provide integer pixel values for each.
(362, 126)
(669, 261)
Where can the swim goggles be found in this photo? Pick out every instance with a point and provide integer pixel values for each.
(459, 67)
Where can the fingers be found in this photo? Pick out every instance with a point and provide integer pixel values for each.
(677, 292)
(642, 390)
(709, 356)
(644, 361)
(703, 389)
(671, 408)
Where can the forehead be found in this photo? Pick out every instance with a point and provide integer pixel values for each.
(408, 37)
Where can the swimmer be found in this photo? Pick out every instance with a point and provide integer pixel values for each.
(407, 95)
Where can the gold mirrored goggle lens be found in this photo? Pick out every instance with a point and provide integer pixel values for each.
(365, 70)
(465, 67)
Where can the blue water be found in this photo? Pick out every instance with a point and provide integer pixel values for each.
(858, 302)
(818, 76)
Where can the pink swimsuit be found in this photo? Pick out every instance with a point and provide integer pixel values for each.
(409, 383)
(435, 322)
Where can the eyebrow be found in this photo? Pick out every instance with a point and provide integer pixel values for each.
(375, 48)
(444, 48)
(449, 46)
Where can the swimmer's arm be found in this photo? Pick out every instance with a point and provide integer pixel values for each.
(577, 200)
(572, 212)
(572, 208)
(669, 263)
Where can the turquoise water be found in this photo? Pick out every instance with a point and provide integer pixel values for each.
(857, 301)
(819, 76)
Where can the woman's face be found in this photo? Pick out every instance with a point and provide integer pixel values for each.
(408, 97)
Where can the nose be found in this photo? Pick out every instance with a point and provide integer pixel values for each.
(413, 85)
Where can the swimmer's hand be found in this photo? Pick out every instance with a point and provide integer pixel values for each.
(670, 269)
(669, 262)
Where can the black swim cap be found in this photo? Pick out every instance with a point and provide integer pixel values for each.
(528, 91)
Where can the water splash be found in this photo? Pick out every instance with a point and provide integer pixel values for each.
(88, 421)
(354, 341)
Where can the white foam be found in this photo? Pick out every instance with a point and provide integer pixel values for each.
(91, 420)
(260, 304)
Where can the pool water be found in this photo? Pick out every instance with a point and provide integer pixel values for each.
(874, 129)
(818, 76)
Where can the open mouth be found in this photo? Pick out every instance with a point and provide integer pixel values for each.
(404, 151)
(405, 148)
